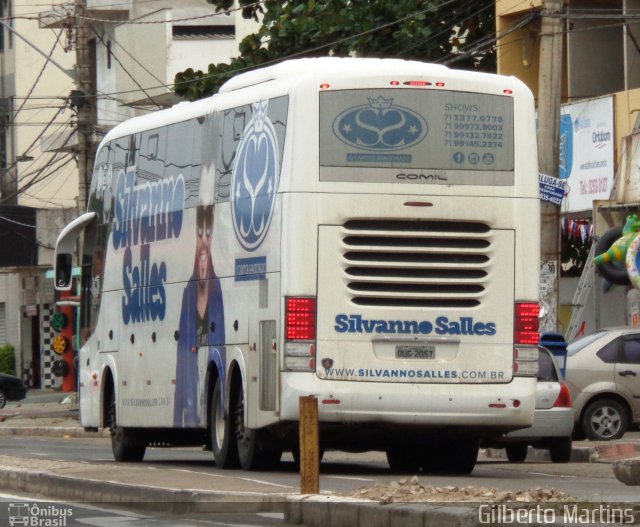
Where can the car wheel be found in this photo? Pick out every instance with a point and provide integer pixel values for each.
(604, 420)
(560, 449)
(3, 399)
(517, 453)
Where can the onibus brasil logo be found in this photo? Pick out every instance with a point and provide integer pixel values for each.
(39, 514)
(255, 178)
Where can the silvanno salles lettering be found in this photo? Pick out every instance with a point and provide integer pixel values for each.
(144, 214)
(441, 326)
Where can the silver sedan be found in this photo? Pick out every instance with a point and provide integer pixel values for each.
(553, 420)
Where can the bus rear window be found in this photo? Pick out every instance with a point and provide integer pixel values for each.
(445, 136)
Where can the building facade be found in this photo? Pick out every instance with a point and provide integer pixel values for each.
(135, 48)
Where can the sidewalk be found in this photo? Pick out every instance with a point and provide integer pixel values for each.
(178, 491)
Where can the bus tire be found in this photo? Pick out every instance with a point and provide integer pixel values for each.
(403, 460)
(125, 445)
(251, 444)
(225, 449)
(615, 273)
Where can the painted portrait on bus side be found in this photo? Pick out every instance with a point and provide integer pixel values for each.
(202, 315)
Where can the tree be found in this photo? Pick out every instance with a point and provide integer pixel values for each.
(459, 30)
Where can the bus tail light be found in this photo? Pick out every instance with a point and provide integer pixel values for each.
(525, 361)
(300, 334)
(526, 324)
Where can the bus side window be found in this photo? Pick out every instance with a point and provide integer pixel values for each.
(179, 160)
(151, 161)
(231, 124)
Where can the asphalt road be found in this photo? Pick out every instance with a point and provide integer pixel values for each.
(340, 472)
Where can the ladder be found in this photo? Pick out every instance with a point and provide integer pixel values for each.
(583, 314)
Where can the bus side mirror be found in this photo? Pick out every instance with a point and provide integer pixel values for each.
(65, 246)
(62, 272)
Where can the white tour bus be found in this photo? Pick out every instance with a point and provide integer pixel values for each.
(365, 231)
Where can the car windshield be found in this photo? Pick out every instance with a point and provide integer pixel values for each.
(582, 343)
(546, 367)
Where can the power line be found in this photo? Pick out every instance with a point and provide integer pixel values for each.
(483, 45)
(35, 83)
(120, 46)
(125, 69)
(303, 52)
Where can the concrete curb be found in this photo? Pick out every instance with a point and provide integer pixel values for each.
(52, 431)
(175, 501)
(330, 511)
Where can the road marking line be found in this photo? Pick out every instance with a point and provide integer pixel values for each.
(353, 478)
(235, 477)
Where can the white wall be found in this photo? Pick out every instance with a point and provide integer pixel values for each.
(10, 295)
(57, 187)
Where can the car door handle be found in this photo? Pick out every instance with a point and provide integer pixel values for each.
(627, 372)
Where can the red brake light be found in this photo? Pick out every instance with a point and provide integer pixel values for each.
(564, 398)
(417, 83)
(526, 323)
(300, 318)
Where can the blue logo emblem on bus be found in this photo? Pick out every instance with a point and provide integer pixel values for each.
(255, 178)
(380, 126)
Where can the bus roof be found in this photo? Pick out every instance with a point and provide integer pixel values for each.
(298, 67)
(295, 69)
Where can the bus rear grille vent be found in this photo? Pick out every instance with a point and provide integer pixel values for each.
(437, 264)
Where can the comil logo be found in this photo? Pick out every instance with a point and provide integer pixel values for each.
(380, 126)
(38, 515)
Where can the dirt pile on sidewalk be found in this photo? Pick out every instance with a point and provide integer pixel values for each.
(411, 490)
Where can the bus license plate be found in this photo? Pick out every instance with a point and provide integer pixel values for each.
(415, 352)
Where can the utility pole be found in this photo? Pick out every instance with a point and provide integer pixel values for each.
(549, 96)
(84, 100)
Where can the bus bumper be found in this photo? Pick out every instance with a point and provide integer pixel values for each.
(509, 405)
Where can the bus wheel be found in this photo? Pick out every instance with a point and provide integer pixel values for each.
(225, 449)
(125, 445)
(251, 445)
(403, 459)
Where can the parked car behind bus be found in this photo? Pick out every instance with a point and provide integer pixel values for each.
(603, 376)
(553, 421)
